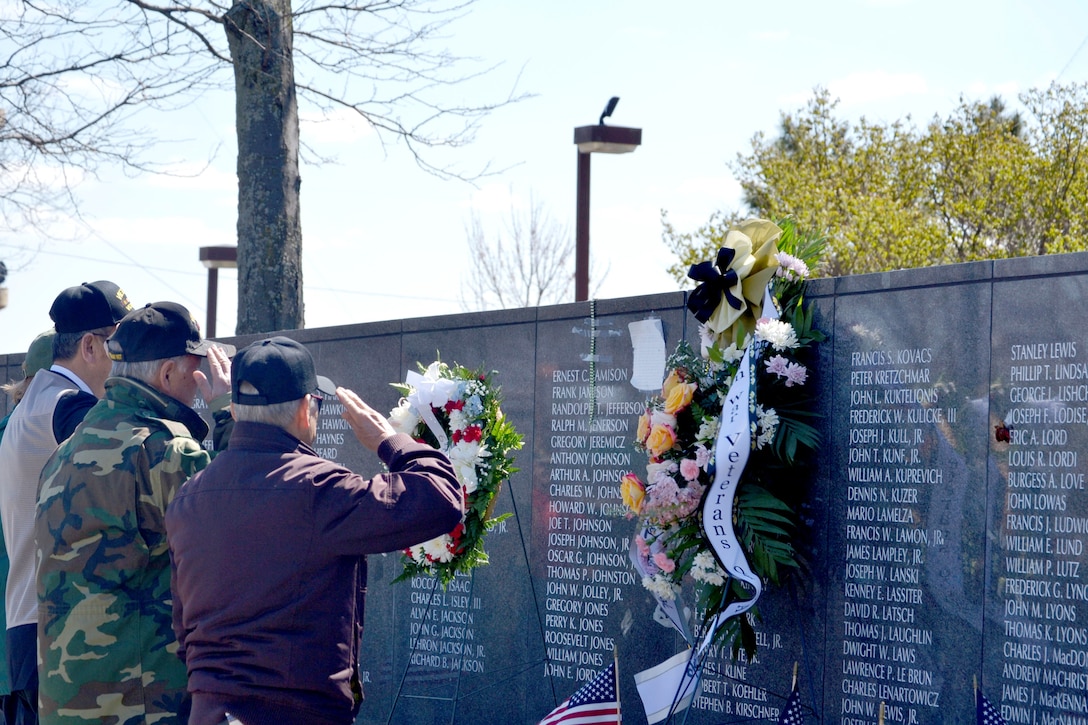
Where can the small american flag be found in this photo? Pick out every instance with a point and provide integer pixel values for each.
(792, 713)
(595, 703)
(987, 713)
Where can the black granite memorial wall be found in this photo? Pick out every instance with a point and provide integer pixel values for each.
(943, 531)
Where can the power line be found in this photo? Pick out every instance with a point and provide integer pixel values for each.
(130, 262)
(1075, 54)
(103, 261)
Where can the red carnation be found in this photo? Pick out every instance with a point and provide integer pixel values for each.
(472, 434)
(455, 405)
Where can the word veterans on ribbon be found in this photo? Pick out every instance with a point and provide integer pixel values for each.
(724, 442)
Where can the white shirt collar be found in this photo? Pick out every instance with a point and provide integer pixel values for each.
(71, 376)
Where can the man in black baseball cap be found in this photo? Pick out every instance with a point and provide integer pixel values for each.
(89, 306)
(100, 531)
(276, 370)
(158, 331)
(270, 533)
(55, 401)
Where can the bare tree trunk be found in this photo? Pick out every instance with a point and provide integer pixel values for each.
(260, 37)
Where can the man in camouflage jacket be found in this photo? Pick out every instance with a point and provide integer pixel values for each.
(106, 650)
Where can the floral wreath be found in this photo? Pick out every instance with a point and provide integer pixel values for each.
(458, 411)
(760, 262)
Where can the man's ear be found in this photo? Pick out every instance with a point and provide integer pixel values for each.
(88, 349)
(162, 375)
(302, 414)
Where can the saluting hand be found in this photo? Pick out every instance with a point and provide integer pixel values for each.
(369, 426)
(219, 381)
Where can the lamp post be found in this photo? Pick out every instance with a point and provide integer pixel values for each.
(594, 139)
(215, 258)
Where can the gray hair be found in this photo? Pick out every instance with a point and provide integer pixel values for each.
(281, 415)
(145, 371)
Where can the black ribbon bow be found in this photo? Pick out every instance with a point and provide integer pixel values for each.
(707, 296)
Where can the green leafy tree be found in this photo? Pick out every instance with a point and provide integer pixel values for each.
(982, 183)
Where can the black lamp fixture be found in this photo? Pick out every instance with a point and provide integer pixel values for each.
(595, 139)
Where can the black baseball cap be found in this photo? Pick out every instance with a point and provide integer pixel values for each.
(280, 369)
(158, 331)
(89, 306)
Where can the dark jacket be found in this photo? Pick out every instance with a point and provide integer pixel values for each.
(269, 545)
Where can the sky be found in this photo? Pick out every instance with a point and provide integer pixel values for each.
(383, 239)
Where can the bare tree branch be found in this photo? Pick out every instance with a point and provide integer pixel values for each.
(526, 263)
(76, 77)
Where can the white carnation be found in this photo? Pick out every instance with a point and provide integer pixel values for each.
(438, 549)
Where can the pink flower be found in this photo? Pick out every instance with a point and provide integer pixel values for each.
(643, 547)
(702, 456)
(664, 563)
(778, 365)
(663, 493)
(689, 469)
(796, 374)
(688, 499)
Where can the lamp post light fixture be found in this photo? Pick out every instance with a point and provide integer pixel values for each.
(215, 258)
(600, 139)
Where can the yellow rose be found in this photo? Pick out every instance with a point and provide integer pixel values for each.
(643, 429)
(671, 382)
(660, 440)
(633, 491)
(679, 397)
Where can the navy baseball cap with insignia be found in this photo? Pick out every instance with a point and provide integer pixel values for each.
(89, 306)
(280, 369)
(158, 331)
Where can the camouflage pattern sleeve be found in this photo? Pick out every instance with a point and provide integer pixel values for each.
(107, 651)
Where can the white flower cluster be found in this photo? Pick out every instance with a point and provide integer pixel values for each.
(465, 457)
(708, 430)
(704, 568)
(765, 425)
(438, 549)
(779, 334)
(708, 339)
(660, 586)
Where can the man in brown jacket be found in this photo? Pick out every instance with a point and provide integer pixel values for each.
(269, 546)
